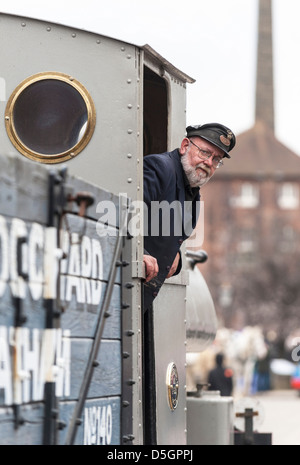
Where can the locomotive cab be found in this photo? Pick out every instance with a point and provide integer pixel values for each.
(95, 106)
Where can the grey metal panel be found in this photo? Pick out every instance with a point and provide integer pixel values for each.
(169, 328)
(109, 69)
(210, 420)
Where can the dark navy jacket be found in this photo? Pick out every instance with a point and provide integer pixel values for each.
(165, 228)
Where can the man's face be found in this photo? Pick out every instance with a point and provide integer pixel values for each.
(197, 169)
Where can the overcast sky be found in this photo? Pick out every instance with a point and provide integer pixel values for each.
(212, 41)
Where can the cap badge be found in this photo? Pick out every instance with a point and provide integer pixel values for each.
(226, 140)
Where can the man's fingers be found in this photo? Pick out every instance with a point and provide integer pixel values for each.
(151, 267)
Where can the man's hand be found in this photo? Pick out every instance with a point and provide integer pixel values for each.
(151, 267)
(174, 266)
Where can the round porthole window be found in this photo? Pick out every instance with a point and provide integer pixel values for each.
(50, 117)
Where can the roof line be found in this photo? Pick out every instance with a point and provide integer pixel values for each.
(167, 65)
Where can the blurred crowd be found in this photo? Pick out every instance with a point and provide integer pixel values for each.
(242, 363)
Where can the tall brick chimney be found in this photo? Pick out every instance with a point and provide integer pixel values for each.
(264, 77)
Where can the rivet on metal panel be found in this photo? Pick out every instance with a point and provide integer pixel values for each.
(129, 81)
(126, 438)
(98, 41)
(48, 29)
(61, 425)
(129, 131)
(129, 180)
(23, 24)
(74, 35)
(6, 118)
(128, 56)
(129, 106)
(129, 155)
(131, 382)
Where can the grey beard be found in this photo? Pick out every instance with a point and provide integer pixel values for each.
(195, 179)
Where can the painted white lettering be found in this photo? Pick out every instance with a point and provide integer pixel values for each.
(34, 251)
(31, 366)
(98, 425)
(63, 363)
(86, 257)
(5, 367)
(108, 424)
(34, 357)
(74, 256)
(74, 282)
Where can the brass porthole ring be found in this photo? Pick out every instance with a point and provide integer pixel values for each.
(50, 117)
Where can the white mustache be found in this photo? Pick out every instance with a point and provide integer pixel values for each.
(204, 168)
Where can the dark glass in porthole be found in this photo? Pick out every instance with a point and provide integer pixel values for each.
(50, 117)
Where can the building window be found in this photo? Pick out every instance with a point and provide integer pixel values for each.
(248, 197)
(288, 239)
(288, 198)
(247, 243)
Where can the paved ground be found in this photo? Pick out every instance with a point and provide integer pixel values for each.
(281, 413)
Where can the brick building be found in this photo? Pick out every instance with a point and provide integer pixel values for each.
(252, 217)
